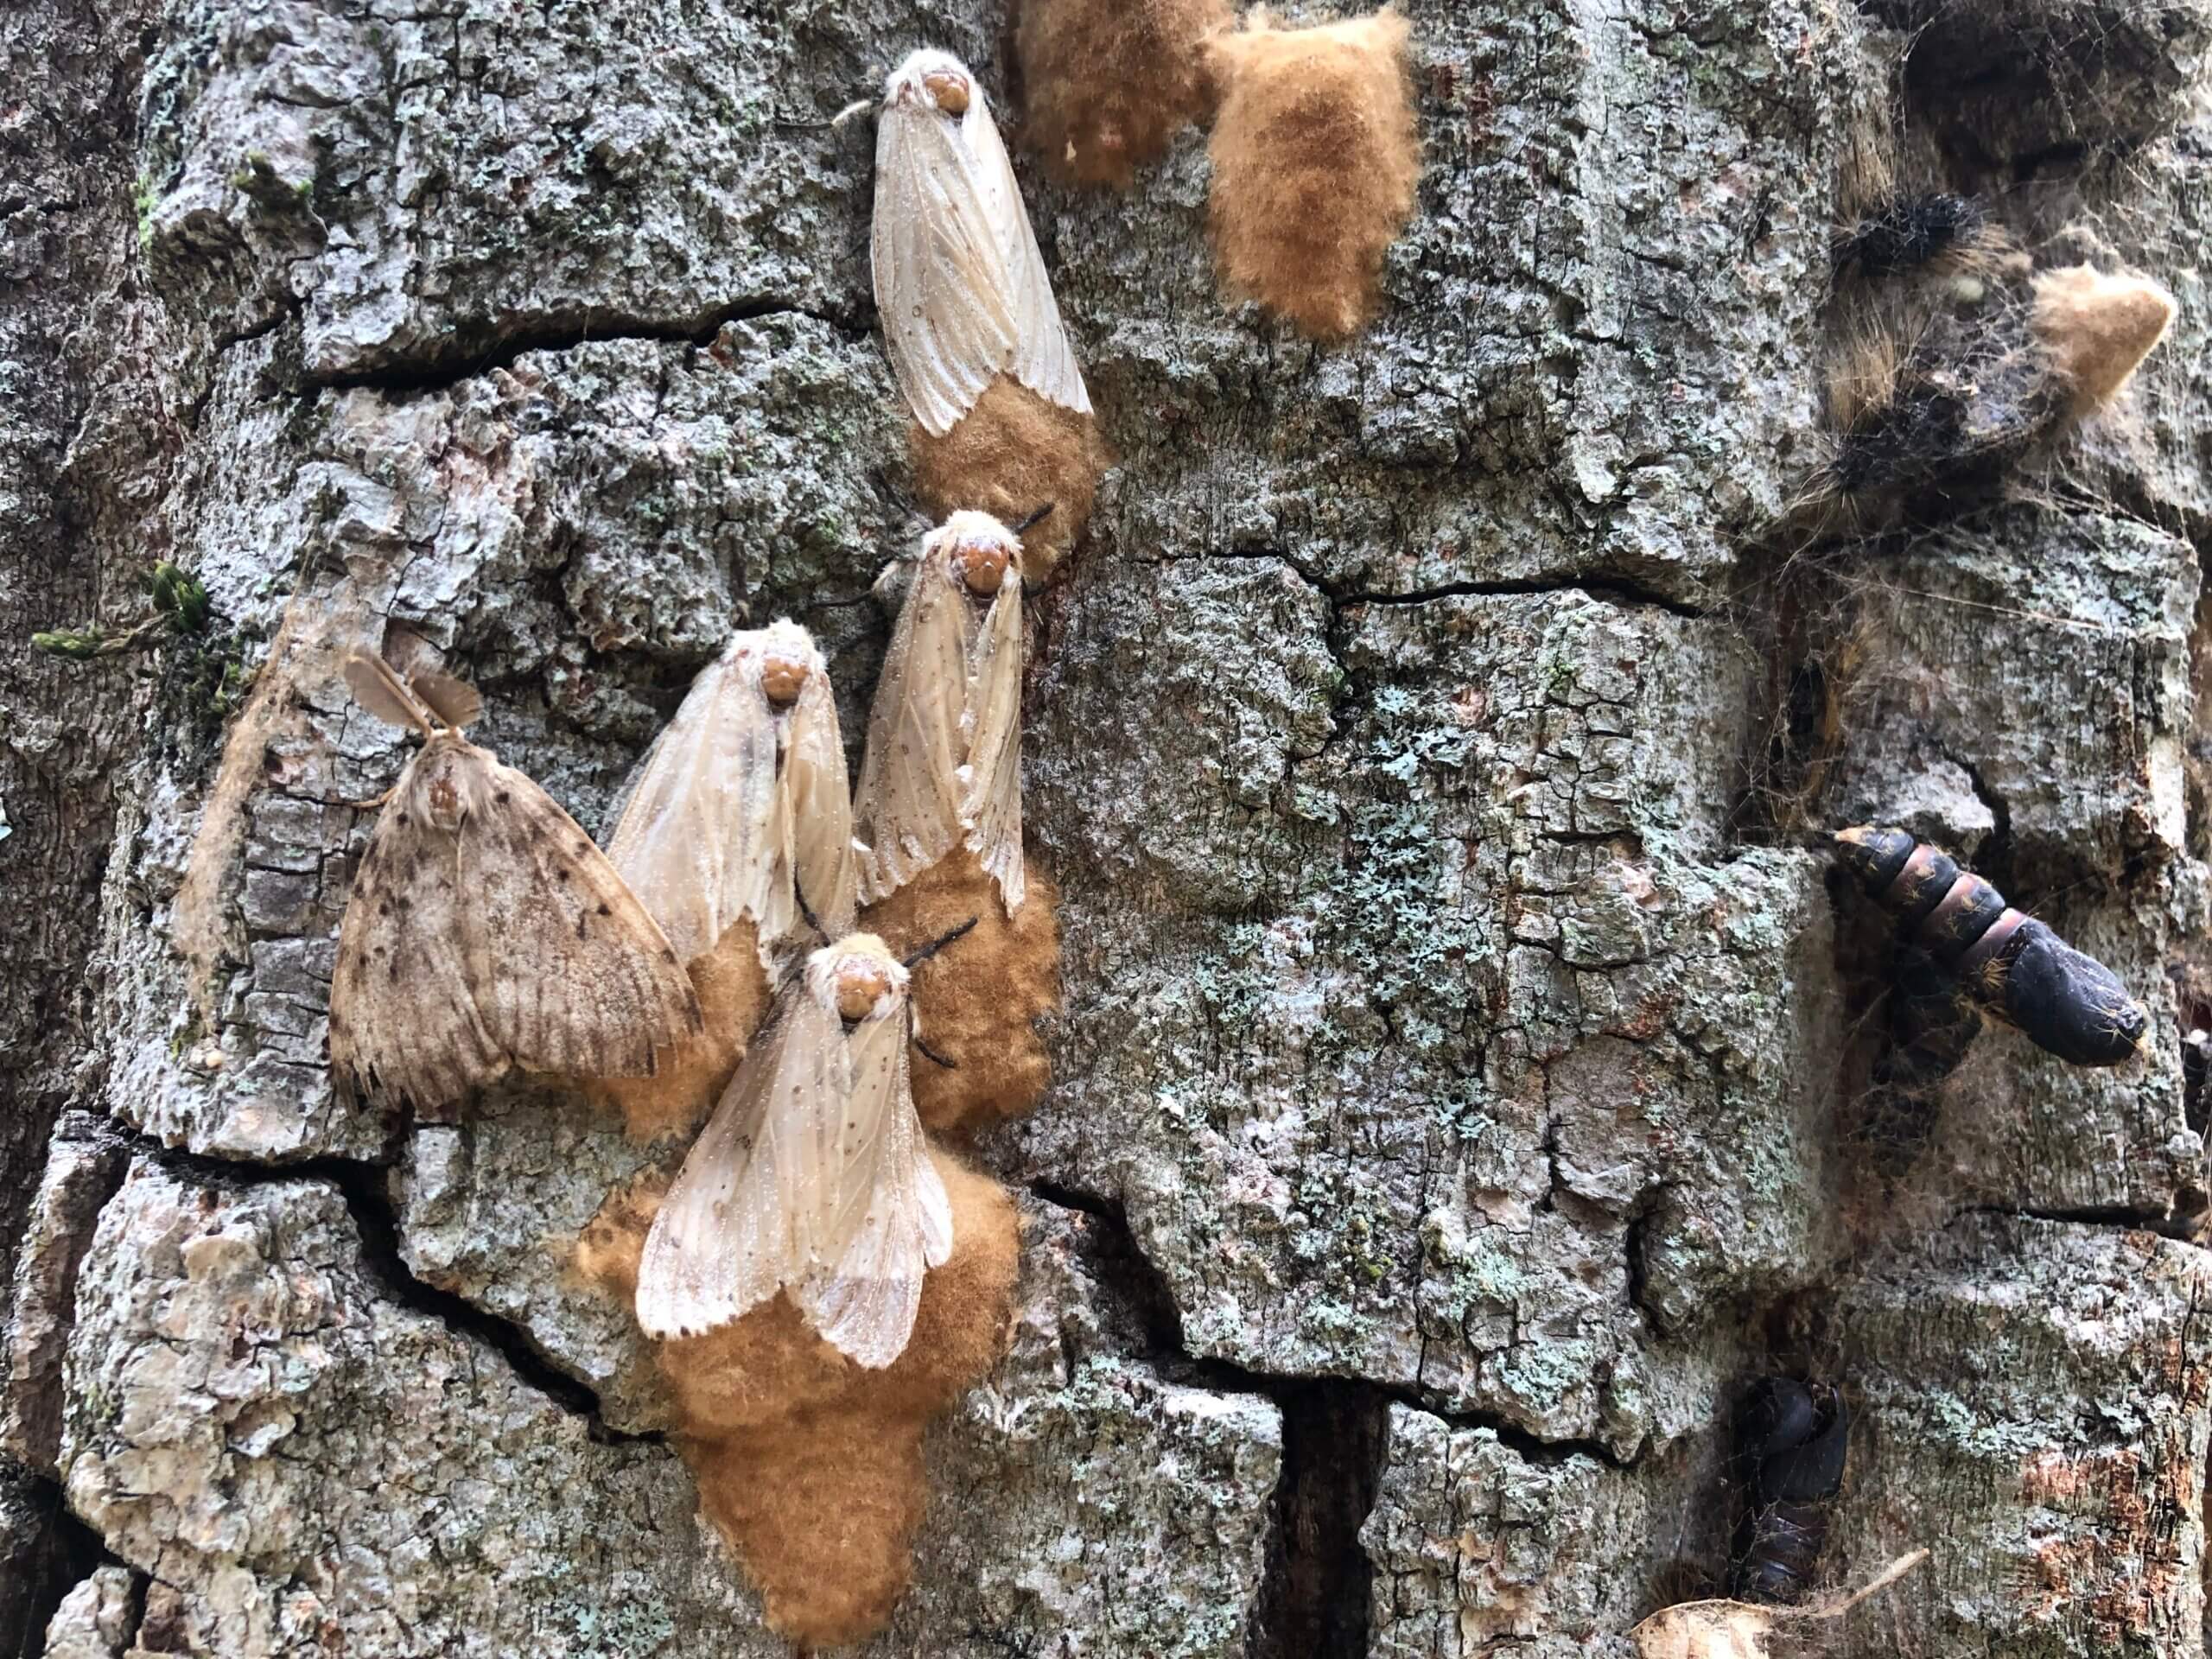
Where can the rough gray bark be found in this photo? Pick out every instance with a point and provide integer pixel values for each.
(1456, 1095)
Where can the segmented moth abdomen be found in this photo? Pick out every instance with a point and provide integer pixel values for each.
(2014, 965)
(1792, 1443)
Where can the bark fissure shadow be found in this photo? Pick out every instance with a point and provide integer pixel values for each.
(469, 352)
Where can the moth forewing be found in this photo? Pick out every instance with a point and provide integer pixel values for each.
(819, 804)
(907, 808)
(812, 1178)
(888, 1220)
(959, 281)
(1043, 360)
(991, 799)
(737, 1224)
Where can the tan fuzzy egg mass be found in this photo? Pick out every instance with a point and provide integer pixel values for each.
(1316, 157)
(1010, 455)
(1109, 82)
(978, 1001)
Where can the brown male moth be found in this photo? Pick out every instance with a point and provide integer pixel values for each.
(485, 931)
(812, 1177)
(944, 761)
(959, 281)
(742, 808)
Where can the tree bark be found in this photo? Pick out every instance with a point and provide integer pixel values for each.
(1461, 1087)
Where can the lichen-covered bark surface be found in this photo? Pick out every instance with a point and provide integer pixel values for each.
(1457, 1092)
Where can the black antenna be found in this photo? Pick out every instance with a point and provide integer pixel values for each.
(806, 911)
(930, 1053)
(929, 951)
(1033, 519)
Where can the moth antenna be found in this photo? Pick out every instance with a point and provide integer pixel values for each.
(454, 701)
(806, 911)
(858, 106)
(930, 949)
(930, 1053)
(1033, 519)
(378, 689)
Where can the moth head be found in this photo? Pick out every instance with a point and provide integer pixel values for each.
(978, 550)
(931, 79)
(782, 656)
(782, 680)
(858, 976)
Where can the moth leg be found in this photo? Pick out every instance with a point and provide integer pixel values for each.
(930, 1053)
(369, 805)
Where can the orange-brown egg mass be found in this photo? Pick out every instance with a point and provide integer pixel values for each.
(1010, 455)
(977, 1002)
(1315, 160)
(733, 994)
(809, 1465)
(1109, 82)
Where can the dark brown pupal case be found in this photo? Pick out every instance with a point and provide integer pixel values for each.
(2011, 964)
(1791, 1444)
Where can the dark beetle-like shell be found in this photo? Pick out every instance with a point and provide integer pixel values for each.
(1792, 1442)
(2012, 965)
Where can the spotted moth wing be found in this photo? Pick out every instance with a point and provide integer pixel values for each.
(485, 931)
(891, 1209)
(991, 798)
(939, 265)
(907, 809)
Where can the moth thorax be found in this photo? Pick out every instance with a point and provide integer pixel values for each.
(782, 680)
(982, 566)
(949, 92)
(445, 799)
(861, 985)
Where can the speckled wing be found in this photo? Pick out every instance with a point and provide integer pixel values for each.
(699, 840)
(509, 941)
(906, 809)
(991, 782)
(571, 975)
(744, 1217)
(942, 287)
(1043, 360)
(888, 1220)
(404, 1025)
(817, 805)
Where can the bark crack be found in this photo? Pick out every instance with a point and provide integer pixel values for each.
(465, 356)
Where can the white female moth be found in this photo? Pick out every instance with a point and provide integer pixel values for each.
(958, 279)
(944, 761)
(812, 1177)
(742, 808)
(485, 931)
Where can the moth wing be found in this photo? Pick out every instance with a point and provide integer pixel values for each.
(570, 974)
(694, 842)
(741, 1219)
(907, 807)
(939, 265)
(892, 1217)
(1043, 360)
(403, 1023)
(817, 806)
(991, 801)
